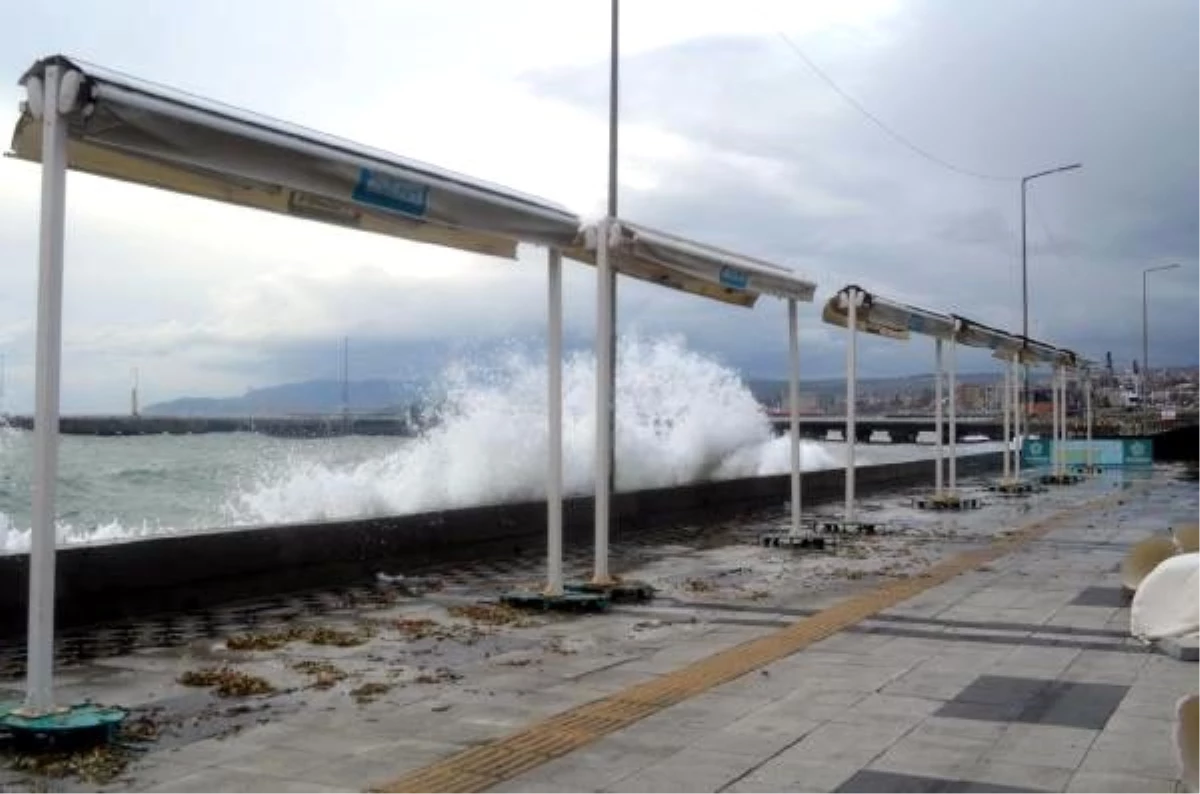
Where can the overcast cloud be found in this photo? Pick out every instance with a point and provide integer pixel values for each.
(726, 136)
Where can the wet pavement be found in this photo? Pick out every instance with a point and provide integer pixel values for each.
(1018, 674)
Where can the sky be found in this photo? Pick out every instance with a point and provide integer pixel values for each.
(726, 136)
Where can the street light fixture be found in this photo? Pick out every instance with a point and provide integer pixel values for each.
(1025, 180)
(1145, 379)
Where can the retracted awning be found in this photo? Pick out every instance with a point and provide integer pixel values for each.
(883, 317)
(136, 131)
(976, 334)
(697, 268)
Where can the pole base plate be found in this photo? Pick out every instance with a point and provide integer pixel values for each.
(849, 527)
(947, 502)
(622, 591)
(808, 539)
(567, 602)
(1015, 488)
(74, 727)
(1065, 478)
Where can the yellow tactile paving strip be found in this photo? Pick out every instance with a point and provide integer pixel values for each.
(482, 767)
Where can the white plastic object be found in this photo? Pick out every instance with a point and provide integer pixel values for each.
(1165, 604)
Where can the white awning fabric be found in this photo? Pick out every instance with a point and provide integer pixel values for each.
(672, 261)
(883, 317)
(136, 131)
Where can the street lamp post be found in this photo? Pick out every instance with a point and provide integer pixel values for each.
(1145, 333)
(1025, 180)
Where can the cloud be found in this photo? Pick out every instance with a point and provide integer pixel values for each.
(726, 136)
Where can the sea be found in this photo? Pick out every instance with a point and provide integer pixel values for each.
(682, 417)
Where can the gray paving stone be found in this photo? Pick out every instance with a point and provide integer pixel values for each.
(878, 708)
(1042, 745)
(596, 766)
(839, 743)
(757, 735)
(933, 684)
(793, 775)
(1106, 667)
(209, 780)
(211, 752)
(1107, 596)
(816, 704)
(1034, 700)
(1103, 782)
(872, 780)
(1131, 754)
(1184, 649)
(282, 762)
(1025, 777)
(532, 784)
(933, 755)
(687, 770)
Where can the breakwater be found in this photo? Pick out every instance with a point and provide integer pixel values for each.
(284, 426)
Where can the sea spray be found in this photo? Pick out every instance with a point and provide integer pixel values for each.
(681, 417)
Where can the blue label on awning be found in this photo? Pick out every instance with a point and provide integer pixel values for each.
(393, 193)
(732, 277)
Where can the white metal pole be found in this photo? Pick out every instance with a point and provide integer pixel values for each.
(1087, 397)
(937, 421)
(554, 474)
(1054, 419)
(952, 383)
(1007, 407)
(851, 399)
(604, 397)
(1062, 420)
(1016, 401)
(794, 410)
(39, 693)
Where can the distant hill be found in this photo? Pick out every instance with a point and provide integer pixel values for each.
(385, 396)
(308, 397)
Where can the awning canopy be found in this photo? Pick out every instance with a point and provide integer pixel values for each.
(672, 261)
(976, 334)
(1034, 352)
(132, 130)
(883, 317)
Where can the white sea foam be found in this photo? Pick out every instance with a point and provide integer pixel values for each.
(681, 417)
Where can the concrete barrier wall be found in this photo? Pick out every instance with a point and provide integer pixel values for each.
(195, 571)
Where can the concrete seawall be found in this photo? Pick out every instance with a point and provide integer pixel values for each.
(195, 571)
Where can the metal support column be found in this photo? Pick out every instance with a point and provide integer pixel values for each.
(851, 399)
(938, 455)
(604, 397)
(554, 473)
(952, 384)
(794, 410)
(39, 693)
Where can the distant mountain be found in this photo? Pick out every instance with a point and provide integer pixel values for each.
(308, 397)
(386, 396)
